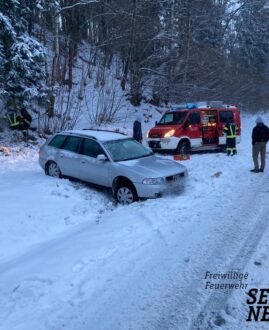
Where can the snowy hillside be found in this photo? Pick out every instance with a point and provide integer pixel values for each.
(70, 258)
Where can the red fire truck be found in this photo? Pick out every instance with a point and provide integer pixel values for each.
(193, 126)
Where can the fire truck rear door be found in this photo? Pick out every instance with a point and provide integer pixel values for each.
(209, 127)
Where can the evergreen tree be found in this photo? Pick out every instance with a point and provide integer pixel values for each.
(22, 57)
(250, 54)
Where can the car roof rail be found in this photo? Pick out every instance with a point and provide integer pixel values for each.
(104, 130)
(77, 134)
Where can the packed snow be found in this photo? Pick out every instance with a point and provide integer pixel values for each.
(70, 258)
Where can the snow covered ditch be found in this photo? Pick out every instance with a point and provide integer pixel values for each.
(70, 258)
(36, 207)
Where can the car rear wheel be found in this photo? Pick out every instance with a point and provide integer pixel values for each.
(126, 194)
(52, 169)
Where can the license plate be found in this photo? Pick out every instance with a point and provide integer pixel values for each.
(176, 177)
(155, 144)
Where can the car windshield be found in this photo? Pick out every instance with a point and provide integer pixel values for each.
(126, 149)
(173, 118)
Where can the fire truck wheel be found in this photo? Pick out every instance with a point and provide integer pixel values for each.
(183, 148)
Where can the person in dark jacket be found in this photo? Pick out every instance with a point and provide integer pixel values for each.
(137, 129)
(230, 131)
(260, 136)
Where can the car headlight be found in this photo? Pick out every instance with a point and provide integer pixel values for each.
(169, 133)
(153, 181)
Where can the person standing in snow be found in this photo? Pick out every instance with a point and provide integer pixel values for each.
(137, 129)
(230, 131)
(260, 136)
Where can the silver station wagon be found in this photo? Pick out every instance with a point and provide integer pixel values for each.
(111, 160)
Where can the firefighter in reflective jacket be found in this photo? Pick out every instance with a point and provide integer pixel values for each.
(230, 131)
(21, 123)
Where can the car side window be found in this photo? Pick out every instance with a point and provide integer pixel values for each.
(72, 143)
(91, 148)
(57, 141)
(194, 118)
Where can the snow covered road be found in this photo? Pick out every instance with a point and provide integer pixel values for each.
(71, 259)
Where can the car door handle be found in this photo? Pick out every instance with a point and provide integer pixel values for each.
(83, 162)
(61, 155)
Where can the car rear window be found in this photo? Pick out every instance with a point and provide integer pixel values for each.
(57, 141)
(72, 143)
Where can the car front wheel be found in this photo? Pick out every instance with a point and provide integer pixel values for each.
(126, 194)
(52, 169)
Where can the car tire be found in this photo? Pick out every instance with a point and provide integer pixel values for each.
(126, 194)
(52, 169)
(183, 148)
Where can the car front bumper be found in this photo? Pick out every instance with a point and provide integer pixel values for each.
(155, 191)
(163, 143)
(42, 161)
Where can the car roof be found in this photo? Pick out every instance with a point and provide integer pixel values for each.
(100, 135)
(203, 105)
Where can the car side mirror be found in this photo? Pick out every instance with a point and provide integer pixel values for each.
(102, 158)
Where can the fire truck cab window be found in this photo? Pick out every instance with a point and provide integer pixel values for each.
(194, 118)
(172, 118)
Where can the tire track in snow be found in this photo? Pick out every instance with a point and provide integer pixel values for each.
(191, 306)
(217, 301)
